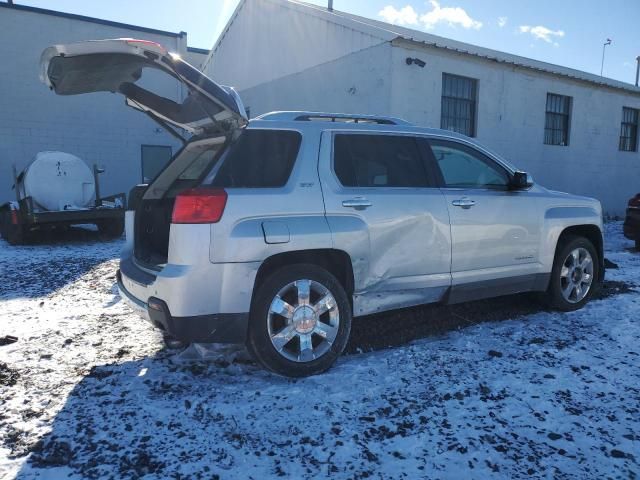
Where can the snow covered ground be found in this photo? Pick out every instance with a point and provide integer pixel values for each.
(493, 389)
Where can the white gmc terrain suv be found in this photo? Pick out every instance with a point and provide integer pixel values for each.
(275, 232)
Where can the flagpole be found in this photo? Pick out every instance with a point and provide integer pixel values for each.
(604, 45)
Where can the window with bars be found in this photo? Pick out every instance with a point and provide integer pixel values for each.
(459, 97)
(558, 114)
(629, 130)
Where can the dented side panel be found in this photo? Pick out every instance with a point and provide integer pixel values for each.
(400, 245)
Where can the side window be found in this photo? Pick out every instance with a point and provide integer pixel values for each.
(464, 167)
(258, 159)
(378, 161)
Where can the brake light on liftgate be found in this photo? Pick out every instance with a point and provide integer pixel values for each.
(199, 205)
(146, 43)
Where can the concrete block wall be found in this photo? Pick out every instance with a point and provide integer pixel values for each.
(98, 128)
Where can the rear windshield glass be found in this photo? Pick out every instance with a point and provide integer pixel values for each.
(258, 159)
(202, 160)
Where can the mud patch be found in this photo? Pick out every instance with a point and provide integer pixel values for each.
(8, 376)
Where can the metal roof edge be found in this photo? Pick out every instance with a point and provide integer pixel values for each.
(420, 37)
(203, 51)
(531, 64)
(73, 16)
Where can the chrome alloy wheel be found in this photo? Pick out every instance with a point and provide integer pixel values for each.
(576, 275)
(303, 320)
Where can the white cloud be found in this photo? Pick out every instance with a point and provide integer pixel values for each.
(405, 16)
(452, 16)
(502, 21)
(542, 33)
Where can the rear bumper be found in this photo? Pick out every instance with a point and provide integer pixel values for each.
(631, 226)
(210, 328)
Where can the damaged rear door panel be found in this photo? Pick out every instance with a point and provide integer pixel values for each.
(384, 208)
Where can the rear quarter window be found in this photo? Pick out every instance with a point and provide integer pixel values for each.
(258, 159)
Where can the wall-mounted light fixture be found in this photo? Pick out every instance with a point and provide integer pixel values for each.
(417, 61)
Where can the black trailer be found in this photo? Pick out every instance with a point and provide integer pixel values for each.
(21, 219)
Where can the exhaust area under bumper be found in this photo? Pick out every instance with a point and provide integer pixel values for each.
(212, 328)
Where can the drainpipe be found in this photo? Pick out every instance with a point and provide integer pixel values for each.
(330, 7)
(637, 70)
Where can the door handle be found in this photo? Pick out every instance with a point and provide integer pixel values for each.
(358, 203)
(465, 203)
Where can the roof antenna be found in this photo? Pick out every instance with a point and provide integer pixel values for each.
(330, 6)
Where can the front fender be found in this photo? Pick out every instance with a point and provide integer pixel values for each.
(559, 219)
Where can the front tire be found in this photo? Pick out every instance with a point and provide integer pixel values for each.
(300, 321)
(575, 275)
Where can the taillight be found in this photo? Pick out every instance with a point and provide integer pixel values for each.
(635, 201)
(199, 205)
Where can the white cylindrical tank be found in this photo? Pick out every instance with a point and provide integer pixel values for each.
(58, 181)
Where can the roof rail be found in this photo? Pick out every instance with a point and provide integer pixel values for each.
(345, 119)
(332, 117)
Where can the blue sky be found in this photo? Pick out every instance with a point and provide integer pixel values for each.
(564, 32)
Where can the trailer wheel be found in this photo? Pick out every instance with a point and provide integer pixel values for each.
(111, 227)
(15, 235)
(11, 232)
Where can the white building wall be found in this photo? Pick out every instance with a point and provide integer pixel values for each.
(195, 57)
(359, 83)
(510, 113)
(263, 42)
(511, 120)
(98, 128)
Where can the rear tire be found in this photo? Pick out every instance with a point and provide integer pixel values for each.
(111, 227)
(300, 321)
(575, 275)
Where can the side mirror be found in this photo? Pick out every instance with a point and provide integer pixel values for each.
(521, 181)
